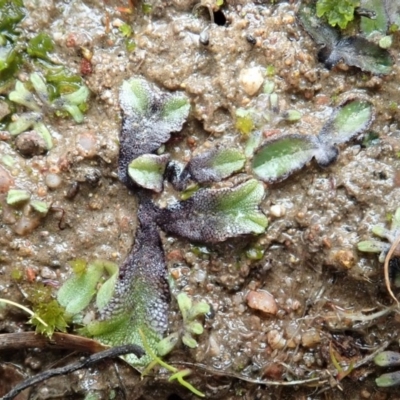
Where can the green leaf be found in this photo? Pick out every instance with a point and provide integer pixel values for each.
(372, 246)
(40, 206)
(12, 13)
(126, 30)
(78, 97)
(40, 87)
(381, 231)
(358, 52)
(17, 196)
(23, 96)
(387, 359)
(279, 158)
(22, 122)
(77, 292)
(199, 308)
(106, 291)
(175, 109)
(134, 96)
(40, 46)
(388, 380)
(147, 171)
(347, 121)
(337, 12)
(386, 42)
(291, 115)
(396, 220)
(321, 32)
(149, 116)
(141, 296)
(74, 111)
(195, 328)
(379, 23)
(188, 340)
(61, 81)
(253, 143)
(184, 303)
(41, 129)
(167, 344)
(215, 165)
(214, 215)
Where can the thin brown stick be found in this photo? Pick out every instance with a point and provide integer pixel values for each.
(386, 268)
(109, 353)
(317, 380)
(23, 340)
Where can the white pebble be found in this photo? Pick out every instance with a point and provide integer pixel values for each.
(48, 273)
(275, 339)
(277, 210)
(53, 181)
(310, 338)
(251, 80)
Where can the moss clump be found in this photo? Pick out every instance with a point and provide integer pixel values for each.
(46, 309)
(337, 12)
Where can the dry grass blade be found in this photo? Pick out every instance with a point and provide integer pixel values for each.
(386, 268)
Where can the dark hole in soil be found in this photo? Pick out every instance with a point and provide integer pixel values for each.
(219, 18)
(174, 397)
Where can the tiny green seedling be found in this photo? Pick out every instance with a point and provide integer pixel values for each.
(190, 313)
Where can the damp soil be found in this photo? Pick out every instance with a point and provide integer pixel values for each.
(310, 264)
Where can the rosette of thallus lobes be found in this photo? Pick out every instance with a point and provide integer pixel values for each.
(134, 308)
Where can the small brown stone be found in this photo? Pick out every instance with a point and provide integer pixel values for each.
(6, 180)
(30, 144)
(263, 301)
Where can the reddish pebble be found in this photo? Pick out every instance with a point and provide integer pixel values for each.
(85, 67)
(263, 301)
(6, 180)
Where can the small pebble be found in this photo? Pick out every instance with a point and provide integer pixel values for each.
(33, 363)
(6, 180)
(251, 80)
(275, 339)
(48, 273)
(26, 225)
(277, 210)
(30, 144)
(53, 181)
(4, 109)
(87, 145)
(263, 301)
(310, 338)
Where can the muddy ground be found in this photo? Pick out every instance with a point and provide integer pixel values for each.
(310, 264)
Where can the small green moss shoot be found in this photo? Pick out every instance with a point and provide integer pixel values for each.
(337, 12)
(177, 374)
(46, 309)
